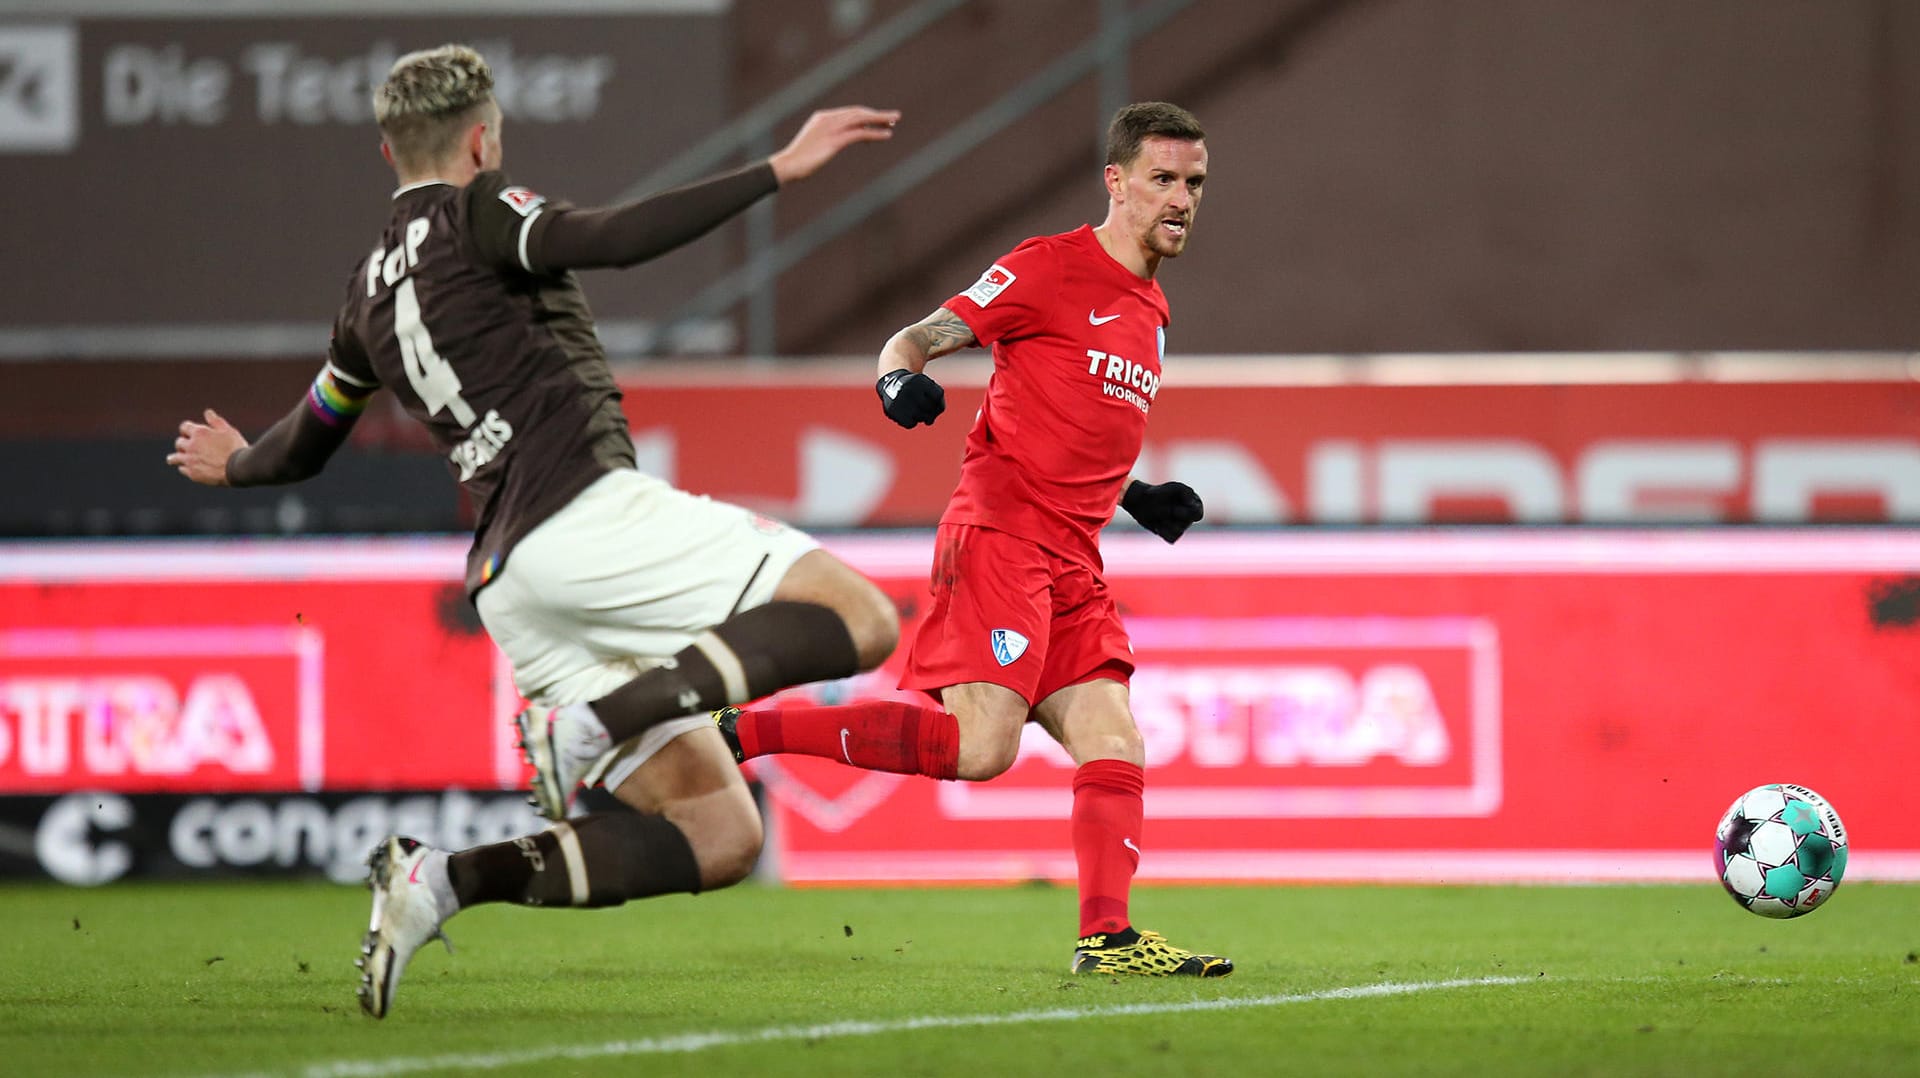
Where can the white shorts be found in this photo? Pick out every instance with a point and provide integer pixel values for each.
(617, 582)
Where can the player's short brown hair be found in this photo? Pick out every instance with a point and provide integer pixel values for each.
(423, 106)
(1143, 120)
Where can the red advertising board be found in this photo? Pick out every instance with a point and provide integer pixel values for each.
(1442, 705)
(1335, 454)
(159, 707)
(1445, 704)
(257, 666)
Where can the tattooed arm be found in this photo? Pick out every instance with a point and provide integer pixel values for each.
(938, 334)
(908, 396)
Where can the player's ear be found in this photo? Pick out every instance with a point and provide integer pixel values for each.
(386, 151)
(477, 145)
(1116, 179)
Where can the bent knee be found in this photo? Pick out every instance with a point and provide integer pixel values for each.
(873, 623)
(869, 616)
(1125, 744)
(724, 833)
(985, 758)
(729, 854)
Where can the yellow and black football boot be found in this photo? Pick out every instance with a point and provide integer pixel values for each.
(1143, 954)
(725, 718)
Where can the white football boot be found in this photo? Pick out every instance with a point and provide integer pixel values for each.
(561, 745)
(412, 898)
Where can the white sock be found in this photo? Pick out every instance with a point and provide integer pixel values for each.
(440, 884)
(593, 740)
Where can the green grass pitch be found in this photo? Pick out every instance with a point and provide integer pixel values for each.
(219, 979)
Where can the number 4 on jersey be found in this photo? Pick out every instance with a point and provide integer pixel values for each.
(432, 376)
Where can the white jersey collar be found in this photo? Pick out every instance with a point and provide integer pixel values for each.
(418, 186)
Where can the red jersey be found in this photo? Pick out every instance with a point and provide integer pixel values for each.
(1077, 340)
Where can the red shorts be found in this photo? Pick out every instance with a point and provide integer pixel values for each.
(1012, 613)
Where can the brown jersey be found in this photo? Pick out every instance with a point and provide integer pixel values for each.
(498, 359)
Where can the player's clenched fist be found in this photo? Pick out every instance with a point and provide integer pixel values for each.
(911, 398)
(1165, 509)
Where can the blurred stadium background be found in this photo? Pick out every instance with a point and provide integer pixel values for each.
(1548, 367)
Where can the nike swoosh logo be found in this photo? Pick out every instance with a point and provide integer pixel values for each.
(843, 744)
(893, 390)
(1128, 843)
(1093, 318)
(414, 876)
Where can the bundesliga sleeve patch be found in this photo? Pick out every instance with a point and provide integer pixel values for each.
(522, 200)
(991, 283)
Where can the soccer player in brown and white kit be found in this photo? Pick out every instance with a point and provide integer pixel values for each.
(626, 606)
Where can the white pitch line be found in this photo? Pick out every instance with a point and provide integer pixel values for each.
(683, 1043)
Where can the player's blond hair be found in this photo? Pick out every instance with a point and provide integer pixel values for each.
(1143, 120)
(425, 104)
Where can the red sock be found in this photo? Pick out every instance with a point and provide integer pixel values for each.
(1108, 811)
(878, 735)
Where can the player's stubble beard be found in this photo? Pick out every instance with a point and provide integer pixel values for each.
(1157, 239)
(1163, 244)
(1168, 246)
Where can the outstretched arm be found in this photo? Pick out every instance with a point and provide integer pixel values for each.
(215, 454)
(637, 231)
(825, 134)
(907, 395)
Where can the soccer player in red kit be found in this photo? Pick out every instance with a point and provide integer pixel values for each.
(1022, 625)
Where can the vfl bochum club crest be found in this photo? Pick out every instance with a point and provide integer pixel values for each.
(1007, 645)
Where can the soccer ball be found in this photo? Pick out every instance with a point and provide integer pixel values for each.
(1780, 850)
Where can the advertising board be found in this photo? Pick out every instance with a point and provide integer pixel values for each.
(1342, 455)
(1448, 704)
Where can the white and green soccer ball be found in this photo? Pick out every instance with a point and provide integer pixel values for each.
(1781, 850)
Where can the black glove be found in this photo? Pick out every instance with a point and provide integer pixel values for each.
(910, 398)
(1165, 509)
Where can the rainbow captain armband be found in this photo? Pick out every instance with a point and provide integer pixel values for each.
(335, 398)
